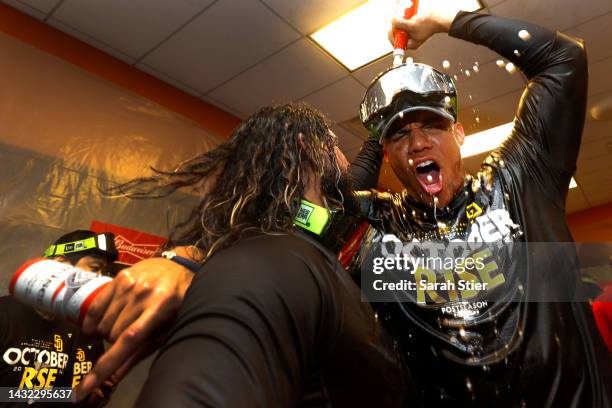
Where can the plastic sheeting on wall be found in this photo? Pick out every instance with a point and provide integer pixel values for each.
(41, 200)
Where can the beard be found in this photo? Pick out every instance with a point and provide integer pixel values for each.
(338, 189)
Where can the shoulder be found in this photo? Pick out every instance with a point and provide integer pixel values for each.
(263, 262)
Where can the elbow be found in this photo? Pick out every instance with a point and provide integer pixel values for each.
(574, 51)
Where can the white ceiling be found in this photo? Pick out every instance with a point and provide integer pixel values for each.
(242, 54)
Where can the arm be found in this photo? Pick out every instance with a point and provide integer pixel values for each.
(548, 125)
(366, 166)
(245, 336)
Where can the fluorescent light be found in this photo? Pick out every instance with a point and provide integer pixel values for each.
(360, 36)
(486, 140)
(490, 139)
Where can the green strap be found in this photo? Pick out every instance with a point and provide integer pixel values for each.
(312, 217)
(70, 247)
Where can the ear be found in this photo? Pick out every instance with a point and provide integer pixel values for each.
(459, 133)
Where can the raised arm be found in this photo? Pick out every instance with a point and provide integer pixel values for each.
(365, 168)
(550, 117)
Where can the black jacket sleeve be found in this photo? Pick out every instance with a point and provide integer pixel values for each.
(544, 144)
(366, 166)
(247, 332)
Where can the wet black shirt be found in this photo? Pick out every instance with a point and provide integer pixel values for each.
(37, 353)
(530, 353)
(274, 321)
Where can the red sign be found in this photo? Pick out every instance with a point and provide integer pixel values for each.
(133, 245)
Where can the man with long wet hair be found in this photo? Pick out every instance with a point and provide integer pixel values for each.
(271, 319)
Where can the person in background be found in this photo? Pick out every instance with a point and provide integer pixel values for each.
(38, 351)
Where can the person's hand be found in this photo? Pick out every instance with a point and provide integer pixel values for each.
(136, 306)
(421, 27)
(100, 396)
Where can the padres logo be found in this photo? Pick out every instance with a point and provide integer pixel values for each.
(80, 354)
(58, 343)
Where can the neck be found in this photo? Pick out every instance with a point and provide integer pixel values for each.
(313, 194)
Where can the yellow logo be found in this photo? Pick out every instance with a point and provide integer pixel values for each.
(80, 354)
(473, 210)
(58, 343)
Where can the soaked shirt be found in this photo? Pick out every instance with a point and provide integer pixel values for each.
(510, 352)
(275, 321)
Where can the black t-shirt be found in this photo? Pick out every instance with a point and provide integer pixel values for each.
(274, 321)
(534, 353)
(39, 353)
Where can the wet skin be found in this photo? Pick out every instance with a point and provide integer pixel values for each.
(425, 155)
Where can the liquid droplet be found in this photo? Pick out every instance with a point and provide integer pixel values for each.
(410, 162)
(475, 68)
(445, 64)
(524, 35)
(455, 77)
(517, 53)
(429, 178)
(447, 100)
(462, 332)
(477, 119)
(467, 72)
(477, 64)
(470, 96)
(500, 63)
(510, 68)
(413, 213)
(401, 115)
(468, 384)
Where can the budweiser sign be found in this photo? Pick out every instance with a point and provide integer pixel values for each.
(133, 245)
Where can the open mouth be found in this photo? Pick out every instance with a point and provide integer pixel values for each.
(429, 176)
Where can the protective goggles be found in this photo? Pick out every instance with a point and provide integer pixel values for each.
(101, 243)
(403, 89)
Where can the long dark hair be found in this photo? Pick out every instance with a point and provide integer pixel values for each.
(252, 183)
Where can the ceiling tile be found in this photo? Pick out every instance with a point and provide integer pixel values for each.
(209, 50)
(576, 201)
(168, 80)
(28, 9)
(597, 186)
(491, 113)
(133, 27)
(552, 14)
(491, 3)
(91, 41)
(601, 198)
(460, 54)
(599, 76)
(309, 16)
(596, 140)
(220, 105)
(340, 101)
(596, 34)
(366, 74)
(490, 82)
(347, 140)
(43, 5)
(586, 167)
(289, 75)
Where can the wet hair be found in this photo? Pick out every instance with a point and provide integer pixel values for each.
(253, 182)
(79, 235)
